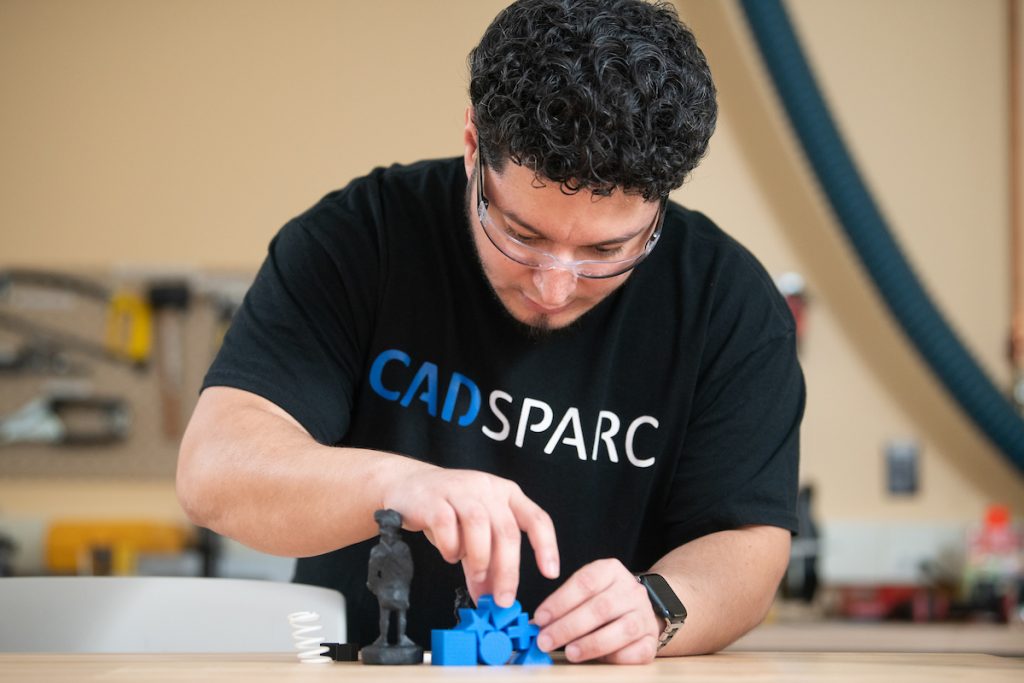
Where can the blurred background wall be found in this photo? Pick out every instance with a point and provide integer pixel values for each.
(177, 137)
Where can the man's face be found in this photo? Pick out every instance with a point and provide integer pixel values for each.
(571, 227)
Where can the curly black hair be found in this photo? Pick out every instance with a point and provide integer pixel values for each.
(593, 94)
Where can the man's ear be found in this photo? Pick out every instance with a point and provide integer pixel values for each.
(471, 141)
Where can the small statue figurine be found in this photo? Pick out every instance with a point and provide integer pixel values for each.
(390, 573)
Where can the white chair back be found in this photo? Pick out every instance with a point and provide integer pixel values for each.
(159, 614)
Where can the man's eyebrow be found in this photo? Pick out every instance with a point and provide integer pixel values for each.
(605, 243)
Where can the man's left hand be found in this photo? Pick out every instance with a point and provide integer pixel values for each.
(602, 612)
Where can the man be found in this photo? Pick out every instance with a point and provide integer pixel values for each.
(527, 340)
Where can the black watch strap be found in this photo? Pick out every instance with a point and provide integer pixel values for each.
(666, 604)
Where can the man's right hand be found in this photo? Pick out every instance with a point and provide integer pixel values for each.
(248, 470)
(478, 519)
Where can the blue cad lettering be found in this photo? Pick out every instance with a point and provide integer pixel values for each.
(534, 415)
(427, 374)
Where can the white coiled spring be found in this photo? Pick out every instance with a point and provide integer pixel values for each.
(306, 632)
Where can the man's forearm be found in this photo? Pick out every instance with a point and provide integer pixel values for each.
(727, 581)
(248, 470)
(261, 479)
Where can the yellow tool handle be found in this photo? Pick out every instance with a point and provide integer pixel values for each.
(130, 326)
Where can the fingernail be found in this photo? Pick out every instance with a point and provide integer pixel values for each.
(541, 618)
(552, 569)
(572, 652)
(544, 642)
(479, 577)
(505, 599)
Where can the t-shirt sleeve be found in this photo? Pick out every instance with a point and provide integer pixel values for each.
(740, 457)
(298, 338)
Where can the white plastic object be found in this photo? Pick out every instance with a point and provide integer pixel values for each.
(127, 614)
(306, 630)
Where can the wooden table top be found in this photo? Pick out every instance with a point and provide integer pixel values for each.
(838, 636)
(759, 667)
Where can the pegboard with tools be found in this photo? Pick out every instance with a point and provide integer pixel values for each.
(99, 372)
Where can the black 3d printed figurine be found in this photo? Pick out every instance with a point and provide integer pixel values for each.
(389, 576)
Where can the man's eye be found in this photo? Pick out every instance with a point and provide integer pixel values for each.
(606, 252)
(521, 237)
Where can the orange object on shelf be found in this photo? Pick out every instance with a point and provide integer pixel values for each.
(108, 546)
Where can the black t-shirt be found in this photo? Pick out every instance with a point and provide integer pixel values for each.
(668, 411)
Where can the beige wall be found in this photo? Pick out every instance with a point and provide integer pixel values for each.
(918, 87)
(182, 134)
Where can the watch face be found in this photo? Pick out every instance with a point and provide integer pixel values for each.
(663, 597)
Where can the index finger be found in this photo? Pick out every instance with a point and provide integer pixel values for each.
(586, 583)
(540, 530)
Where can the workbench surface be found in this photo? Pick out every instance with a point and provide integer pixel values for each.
(788, 667)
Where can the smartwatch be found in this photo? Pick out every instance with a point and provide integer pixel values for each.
(666, 604)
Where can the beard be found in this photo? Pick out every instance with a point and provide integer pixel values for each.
(539, 327)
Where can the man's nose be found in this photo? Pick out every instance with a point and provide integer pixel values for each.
(555, 285)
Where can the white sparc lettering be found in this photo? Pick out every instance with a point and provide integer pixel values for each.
(524, 416)
(606, 436)
(631, 432)
(539, 417)
(505, 427)
(571, 416)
